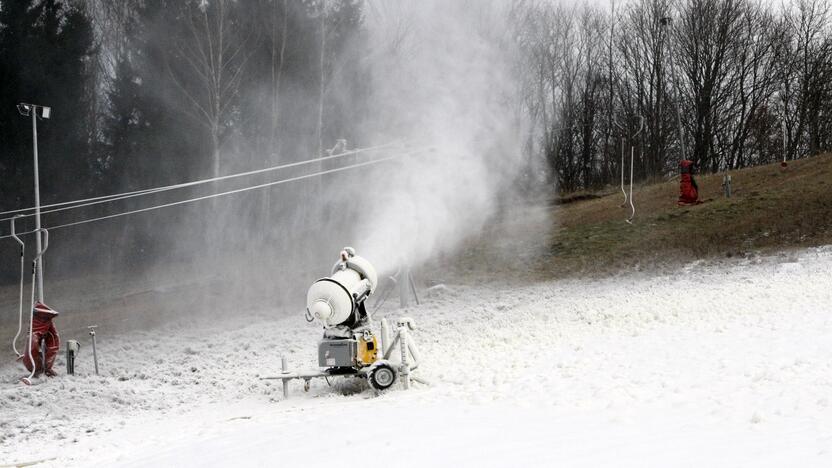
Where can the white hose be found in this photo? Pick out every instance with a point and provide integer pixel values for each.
(20, 299)
(20, 302)
(414, 353)
(632, 158)
(28, 380)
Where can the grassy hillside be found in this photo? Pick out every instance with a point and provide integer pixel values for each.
(586, 233)
(576, 235)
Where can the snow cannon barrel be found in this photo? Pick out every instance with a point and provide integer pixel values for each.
(334, 300)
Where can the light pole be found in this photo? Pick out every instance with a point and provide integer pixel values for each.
(33, 110)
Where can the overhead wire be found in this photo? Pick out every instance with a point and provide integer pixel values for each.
(229, 192)
(68, 205)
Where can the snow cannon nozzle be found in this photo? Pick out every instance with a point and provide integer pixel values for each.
(347, 253)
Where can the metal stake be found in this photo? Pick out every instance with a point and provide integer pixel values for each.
(285, 366)
(94, 354)
(72, 348)
(726, 185)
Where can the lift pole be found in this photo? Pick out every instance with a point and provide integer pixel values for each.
(26, 110)
(37, 204)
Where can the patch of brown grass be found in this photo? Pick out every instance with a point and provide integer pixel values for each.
(770, 209)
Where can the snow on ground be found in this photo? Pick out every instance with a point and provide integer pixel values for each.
(715, 365)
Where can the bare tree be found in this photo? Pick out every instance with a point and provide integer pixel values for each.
(805, 90)
(207, 65)
(743, 70)
(758, 53)
(644, 91)
(278, 56)
(706, 33)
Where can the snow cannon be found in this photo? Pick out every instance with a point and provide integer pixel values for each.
(350, 347)
(338, 300)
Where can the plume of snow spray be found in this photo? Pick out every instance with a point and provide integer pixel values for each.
(442, 76)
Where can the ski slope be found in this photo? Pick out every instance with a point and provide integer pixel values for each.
(712, 364)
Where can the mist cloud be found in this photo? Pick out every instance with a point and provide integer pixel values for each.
(442, 76)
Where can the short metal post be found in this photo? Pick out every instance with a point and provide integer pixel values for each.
(285, 366)
(726, 185)
(405, 364)
(72, 348)
(785, 139)
(94, 354)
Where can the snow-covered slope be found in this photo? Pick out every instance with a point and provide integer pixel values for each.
(715, 365)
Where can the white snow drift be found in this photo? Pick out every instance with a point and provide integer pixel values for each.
(713, 365)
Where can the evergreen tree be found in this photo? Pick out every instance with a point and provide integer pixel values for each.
(45, 49)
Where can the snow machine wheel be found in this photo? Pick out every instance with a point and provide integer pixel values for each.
(382, 376)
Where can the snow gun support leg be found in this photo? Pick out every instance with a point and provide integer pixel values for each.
(284, 364)
(407, 348)
(285, 376)
(382, 372)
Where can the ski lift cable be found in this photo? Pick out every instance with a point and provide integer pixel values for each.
(229, 192)
(137, 193)
(120, 196)
(190, 184)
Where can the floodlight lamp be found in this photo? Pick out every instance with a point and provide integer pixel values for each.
(45, 112)
(24, 109)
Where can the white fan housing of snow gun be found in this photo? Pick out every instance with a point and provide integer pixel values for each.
(333, 300)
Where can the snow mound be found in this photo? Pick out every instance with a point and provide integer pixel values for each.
(717, 365)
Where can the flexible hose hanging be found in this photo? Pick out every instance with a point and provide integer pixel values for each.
(20, 299)
(632, 159)
(28, 380)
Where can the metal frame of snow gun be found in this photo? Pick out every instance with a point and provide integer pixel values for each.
(407, 347)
